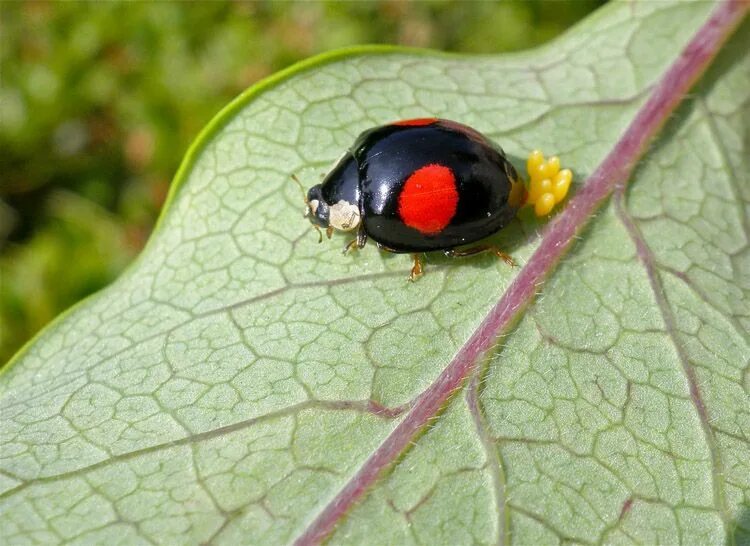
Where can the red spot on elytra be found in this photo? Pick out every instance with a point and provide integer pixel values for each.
(429, 199)
(416, 122)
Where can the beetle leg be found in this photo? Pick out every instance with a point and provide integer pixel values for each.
(361, 237)
(387, 249)
(358, 242)
(416, 270)
(329, 231)
(350, 245)
(507, 258)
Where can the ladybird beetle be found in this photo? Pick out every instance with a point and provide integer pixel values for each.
(429, 184)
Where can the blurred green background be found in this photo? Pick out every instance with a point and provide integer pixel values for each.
(100, 100)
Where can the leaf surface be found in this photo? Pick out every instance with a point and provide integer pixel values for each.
(235, 379)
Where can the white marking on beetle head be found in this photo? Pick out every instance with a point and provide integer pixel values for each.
(343, 216)
(312, 207)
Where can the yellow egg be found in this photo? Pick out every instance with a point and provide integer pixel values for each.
(544, 204)
(535, 159)
(561, 184)
(538, 188)
(539, 172)
(552, 167)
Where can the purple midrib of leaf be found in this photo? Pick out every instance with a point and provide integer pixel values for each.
(613, 172)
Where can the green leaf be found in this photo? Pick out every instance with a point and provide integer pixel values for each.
(232, 383)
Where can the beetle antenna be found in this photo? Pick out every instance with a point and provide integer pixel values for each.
(301, 188)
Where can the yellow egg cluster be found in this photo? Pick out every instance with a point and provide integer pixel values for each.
(548, 185)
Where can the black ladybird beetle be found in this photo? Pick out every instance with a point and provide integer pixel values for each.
(430, 184)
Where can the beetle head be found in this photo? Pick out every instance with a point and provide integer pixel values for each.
(318, 209)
